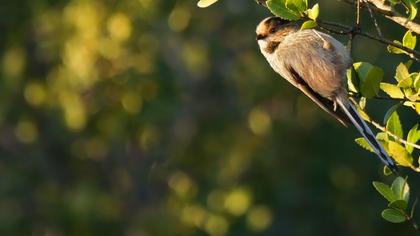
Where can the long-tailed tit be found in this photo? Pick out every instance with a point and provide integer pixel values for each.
(316, 64)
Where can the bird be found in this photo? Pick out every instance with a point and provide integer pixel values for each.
(316, 64)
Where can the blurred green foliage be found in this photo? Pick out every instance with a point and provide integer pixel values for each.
(153, 117)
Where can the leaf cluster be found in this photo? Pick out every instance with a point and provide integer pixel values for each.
(397, 195)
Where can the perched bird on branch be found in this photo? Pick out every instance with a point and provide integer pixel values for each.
(316, 64)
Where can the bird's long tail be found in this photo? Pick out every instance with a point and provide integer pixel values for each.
(366, 132)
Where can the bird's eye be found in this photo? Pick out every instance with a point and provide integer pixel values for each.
(272, 30)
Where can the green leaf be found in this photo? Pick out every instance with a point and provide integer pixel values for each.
(364, 144)
(398, 205)
(401, 189)
(370, 77)
(384, 190)
(309, 24)
(205, 3)
(298, 6)
(401, 72)
(412, 9)
(387, 171)
(381, 136)
(313, 13)
(395, 50)
(393, 2)
(393, 216)
(393, 124)
(413, 105)
(416, 83)
(411, 94)
(362, 103)
(352, 82)
(405, 83)
(278, 8)
(412, 137)
(409, 63)
(400, 154)
(391, 111)
(409, 40)
(392, 90)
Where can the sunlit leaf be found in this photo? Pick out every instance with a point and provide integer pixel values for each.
(401, 189)
(405, 83)
(391, 111)
(412, 137)
(398, 204)
(411, 94)
(393, 216)
(400, 154)
(411, 8)
(352, 82)
(387, 171)
(278, 8)
(409, 40)
(393, 125)
(297, 5)
(308, 25)
(370, 77)
(364, 144)
(385, 191)
(392, 90)
(416, 83)
(313, 12)
(362, 103)
(205, 3)
(395, 50)
(401, 72)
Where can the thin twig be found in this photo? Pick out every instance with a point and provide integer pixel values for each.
(375, 22)
(358, 95)
(358, 14)
(344, 29)
(383, 129)
(389, 12)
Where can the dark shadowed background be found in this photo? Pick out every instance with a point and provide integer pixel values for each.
(155, 117)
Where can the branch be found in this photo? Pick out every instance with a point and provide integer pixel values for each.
(387, 11)
(344, 29)
(383, 129)
(358, 95)
(375, 22)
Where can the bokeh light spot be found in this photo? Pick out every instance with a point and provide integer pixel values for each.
(35, 94)
(74, 110)
(216, 225)
(119, 27)
(237, 201)
(182, 184)
(193, 215)
(147, 138)
(216, 199)
(131, 102)
(259, 218)
(26, 132)
(179, 19)
(259, 122)
(14, 62)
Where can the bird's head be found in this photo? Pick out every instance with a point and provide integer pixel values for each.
(273, 29)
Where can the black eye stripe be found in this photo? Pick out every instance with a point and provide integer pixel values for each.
(261, 36)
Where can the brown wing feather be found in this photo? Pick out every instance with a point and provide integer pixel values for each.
(326, 104)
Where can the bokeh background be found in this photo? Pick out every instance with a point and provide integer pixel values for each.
(155, 117)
